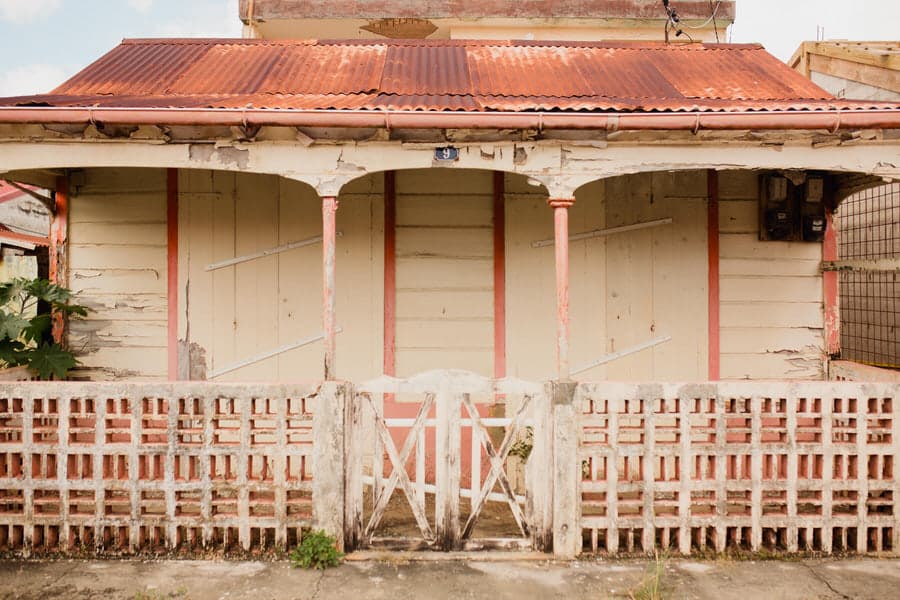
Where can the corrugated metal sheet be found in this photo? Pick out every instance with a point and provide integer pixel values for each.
(442, 75)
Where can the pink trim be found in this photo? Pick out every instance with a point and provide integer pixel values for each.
(390, 273)
(830, 289)
(561, 232)
(172, 264)
(714, 306)
(329, 245)
(59, 251)
(499, 275)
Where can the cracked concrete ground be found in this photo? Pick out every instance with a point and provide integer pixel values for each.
(448, 579)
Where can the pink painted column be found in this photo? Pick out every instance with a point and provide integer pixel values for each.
(329, 236)
(560, 208)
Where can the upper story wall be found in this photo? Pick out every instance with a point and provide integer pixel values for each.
(470, 19)
(853, 70)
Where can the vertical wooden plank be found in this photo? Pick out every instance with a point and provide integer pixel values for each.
(59, 250)
(454, 466)
(538, 498)
(499, 278)
(566, 473)
(354, 442)
(475, 480)
(172, 270)
(420, 466)
(224, 281)
(713, 257)
(390, 273)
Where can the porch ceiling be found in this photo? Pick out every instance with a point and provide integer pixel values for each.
(443, 75)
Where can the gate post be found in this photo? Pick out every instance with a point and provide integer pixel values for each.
(328, 459)
(354, 438)
(566, 472)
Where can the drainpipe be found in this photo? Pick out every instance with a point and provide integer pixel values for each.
(831, 120)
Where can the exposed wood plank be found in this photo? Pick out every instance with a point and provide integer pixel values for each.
(772, 314)
(780, 289)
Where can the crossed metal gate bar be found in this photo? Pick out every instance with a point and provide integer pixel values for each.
(449, 393)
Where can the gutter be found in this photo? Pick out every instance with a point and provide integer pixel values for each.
(831, 120)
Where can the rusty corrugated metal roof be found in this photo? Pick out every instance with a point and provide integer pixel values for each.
(441, 75)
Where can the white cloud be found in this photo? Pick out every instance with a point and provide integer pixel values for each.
(27, 11)
(33, 79)
(209, 18)
(142, 6)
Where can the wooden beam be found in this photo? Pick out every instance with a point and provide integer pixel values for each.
(329, 247)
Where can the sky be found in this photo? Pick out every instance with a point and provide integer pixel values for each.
(43, 42)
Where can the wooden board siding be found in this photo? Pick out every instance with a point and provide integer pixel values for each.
(772, 311)
(241, 311)
(445, 271)
(117, 257)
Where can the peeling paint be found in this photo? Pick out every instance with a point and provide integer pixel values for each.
(227, 156)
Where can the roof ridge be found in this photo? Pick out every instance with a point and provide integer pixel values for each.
(439, 43)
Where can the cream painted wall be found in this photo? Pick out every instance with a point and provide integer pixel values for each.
(626, 289)
(117, 262)
(771, 293)
(445, 280)
(239, 312)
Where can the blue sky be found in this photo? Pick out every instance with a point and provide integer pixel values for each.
(43, 42)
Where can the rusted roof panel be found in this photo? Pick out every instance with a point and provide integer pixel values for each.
(442, 75)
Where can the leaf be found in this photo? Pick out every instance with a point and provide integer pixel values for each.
(38, 328)
(12, 326)
(11, 353)
(51, 360)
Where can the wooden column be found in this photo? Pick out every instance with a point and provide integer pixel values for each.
(172, 271)
(830, 289)
(714, 306)
(390, 273)
(59, 250)
(499, 275)
(561, 237)
(329, 237)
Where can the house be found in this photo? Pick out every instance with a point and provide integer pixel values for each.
(868, 223)
(424, 230)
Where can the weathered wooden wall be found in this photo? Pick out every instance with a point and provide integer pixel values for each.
(771, 292)
(117, 259)
(445, 282)
(626, 289)
(241, 311)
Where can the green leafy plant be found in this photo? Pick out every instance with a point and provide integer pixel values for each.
(318, 550)
(28, 341)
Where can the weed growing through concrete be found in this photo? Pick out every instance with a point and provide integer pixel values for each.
(651, 587)
(318, 550)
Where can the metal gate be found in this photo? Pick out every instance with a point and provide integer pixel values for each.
(446, 478)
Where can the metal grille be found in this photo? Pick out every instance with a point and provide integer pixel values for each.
(869, 230)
